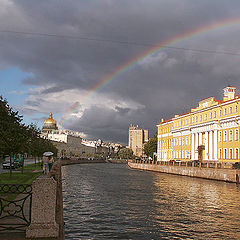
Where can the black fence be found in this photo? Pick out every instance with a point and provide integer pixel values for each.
(15, 207)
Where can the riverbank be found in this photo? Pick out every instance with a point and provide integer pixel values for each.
(207, 172)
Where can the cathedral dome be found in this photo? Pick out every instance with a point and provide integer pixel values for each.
(50, 120)
(49, 124)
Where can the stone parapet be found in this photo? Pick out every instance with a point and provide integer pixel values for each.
(43, 222)
(227, 175)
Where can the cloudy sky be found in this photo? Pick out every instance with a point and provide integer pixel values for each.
(54, 55)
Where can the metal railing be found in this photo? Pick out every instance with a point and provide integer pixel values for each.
(205, 164)
(15, 207)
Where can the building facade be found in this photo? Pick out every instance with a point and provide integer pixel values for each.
(137, 138)
(208, 132)
(70, 143)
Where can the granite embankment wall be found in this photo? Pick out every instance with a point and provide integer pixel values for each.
(47, 206)
(80, 161)
(120, 161)
(221, 174)
(56, 173)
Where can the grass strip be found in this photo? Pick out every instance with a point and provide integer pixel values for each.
(19, 178)
(37, 166)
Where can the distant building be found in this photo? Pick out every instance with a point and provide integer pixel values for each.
(208, 132)
(70, 143)
(137, 138)
(49, 124)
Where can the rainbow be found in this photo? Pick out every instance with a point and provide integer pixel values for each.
(152, 50)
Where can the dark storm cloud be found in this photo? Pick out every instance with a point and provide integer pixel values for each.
(108, 124)
(170, 82)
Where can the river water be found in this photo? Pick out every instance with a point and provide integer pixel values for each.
(112, 201)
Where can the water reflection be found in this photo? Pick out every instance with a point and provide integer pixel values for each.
(111, 201)
(195, 207)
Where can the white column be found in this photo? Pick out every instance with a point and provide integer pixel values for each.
(215, 145)
(211, 145)
(196, 146)
(193, 148)
(200, 138)
(206, 145)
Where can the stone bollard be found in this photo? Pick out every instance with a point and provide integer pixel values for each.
(43, 223)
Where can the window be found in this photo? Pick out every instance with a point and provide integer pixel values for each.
(225, 111)
(220, 113)
(177, 141)
(196, 118)
(205, 116)
(200, 118)
(183, 141)
(236, 134)
(215, 114)
(210, 115)
(186, 122)
(225, 136)
(236, 108)
(186, 141)
(230, 110)
(220, 136)
(180, 141)
(236, 153)
(220, 153)
(230, 135)
(193, 120)
(225, 153)
(230, 153)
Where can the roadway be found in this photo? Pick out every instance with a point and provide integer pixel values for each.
(27, 161)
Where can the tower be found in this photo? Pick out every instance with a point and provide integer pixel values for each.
(229, 93)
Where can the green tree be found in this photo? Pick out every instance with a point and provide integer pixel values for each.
(151, 146)
(19, 138)
(12, 132)
(125, 153)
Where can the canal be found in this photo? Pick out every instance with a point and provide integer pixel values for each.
(112, 201)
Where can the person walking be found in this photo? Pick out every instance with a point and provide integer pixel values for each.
(45, 165)
(50, 163)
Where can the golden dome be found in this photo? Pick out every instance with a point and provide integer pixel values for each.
(50, 120)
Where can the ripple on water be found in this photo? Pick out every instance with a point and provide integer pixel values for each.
(111, 201)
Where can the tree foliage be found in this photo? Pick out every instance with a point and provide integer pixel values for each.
(151, 146)
(125, 153)
(16, 137)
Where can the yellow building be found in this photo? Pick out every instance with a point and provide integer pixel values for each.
(137, 137)
(214, 125)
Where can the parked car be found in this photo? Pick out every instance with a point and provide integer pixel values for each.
(6, 164)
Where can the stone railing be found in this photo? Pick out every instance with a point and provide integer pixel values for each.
(47, 206)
